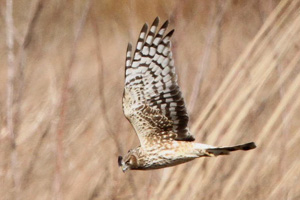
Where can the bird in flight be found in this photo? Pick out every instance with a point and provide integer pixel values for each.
(153, 104)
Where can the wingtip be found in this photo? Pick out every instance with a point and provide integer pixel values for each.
(129, 46)
(170, 33)
(165, 25)
(145, 28)
(156, 20)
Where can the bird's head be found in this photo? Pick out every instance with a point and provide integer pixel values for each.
(128, 162)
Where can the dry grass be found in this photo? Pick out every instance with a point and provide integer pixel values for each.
(61, 120)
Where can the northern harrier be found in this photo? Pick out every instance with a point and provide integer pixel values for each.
(153, 104)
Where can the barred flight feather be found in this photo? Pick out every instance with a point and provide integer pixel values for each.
(154, 105)
(152, 98)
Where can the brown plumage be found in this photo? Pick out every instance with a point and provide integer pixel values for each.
(153, 104)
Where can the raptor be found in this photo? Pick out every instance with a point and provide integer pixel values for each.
(154, 105)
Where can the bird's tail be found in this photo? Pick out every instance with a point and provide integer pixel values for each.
(216, 151)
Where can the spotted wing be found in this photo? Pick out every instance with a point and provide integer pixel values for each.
(152, 100)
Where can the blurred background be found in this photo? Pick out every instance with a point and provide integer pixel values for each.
(61, 83)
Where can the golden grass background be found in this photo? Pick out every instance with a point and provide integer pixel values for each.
(62, 74)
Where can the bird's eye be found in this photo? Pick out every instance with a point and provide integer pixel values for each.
(128, 162)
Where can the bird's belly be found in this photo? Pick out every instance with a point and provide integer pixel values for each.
(168, 157)
(167, 162)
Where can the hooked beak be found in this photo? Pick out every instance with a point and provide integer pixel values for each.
(124, 168)
(121, 164)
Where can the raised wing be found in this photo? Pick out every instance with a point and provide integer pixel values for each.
(152, 100)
